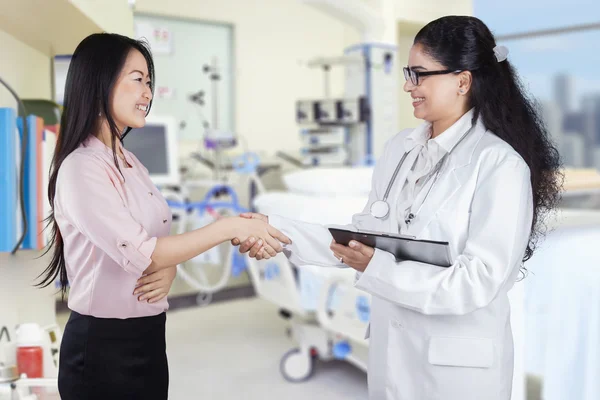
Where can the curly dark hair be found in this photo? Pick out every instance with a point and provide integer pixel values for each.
(465, 43)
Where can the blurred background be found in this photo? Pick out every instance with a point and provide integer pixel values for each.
(281, 107)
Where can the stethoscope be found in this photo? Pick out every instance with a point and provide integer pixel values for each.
(381, 208)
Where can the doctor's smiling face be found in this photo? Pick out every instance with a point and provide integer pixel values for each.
(439, 94)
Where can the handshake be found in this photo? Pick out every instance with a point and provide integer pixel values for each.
(254, 235)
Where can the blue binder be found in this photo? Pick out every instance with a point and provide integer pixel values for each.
(30, 188)
(8, 180)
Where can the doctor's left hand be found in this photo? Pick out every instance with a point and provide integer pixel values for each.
(357, 256)
(155, 286)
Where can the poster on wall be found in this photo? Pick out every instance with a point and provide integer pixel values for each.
(159, 38)
(165, 92)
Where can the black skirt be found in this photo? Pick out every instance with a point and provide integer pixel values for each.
(106, 358)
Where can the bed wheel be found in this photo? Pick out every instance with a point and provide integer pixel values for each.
(296, 366)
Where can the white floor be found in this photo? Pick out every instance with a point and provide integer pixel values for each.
(232, 350)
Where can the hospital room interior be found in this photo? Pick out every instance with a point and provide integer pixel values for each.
(282, 107)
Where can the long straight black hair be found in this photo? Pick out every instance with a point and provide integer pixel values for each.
(93, 72)
(465, 43)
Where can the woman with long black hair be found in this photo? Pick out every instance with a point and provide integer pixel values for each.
(110, 230)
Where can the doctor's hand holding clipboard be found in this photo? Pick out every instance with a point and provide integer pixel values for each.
(480, 173)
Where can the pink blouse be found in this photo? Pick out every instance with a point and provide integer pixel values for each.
(109, 224)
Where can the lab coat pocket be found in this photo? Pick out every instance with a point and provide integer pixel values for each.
(462, 368)
(461, 352)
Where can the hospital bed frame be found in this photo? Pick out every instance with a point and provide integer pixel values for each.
(327, 334)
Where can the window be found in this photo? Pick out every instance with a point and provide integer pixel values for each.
(552, 46)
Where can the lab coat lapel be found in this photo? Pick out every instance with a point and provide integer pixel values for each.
(451, 178)
(446, 187)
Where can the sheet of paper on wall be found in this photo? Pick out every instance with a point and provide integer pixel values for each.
(159, 38)
(165, 92)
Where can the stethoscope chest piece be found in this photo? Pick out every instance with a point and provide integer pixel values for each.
(380, 209)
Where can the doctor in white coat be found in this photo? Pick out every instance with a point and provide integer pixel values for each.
(477, 173)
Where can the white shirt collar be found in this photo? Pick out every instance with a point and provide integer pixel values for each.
(445, 141)
(448, 139)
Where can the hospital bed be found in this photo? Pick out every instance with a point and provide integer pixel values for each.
(328, 316)
(562, 298)
(331, 329)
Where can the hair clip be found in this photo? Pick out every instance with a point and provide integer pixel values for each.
(501, 53)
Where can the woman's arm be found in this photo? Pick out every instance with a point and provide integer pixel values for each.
(310, 246)
(499, 229)
(155, 286)
(156, 282)
(88, 197)
(174, 250)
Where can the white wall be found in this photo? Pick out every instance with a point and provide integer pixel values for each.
(272, 40)
(29, 71)
(424, 11)
(25, 69)
(406, 35)
(115, 16)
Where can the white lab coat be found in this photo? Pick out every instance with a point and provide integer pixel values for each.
(441, 333)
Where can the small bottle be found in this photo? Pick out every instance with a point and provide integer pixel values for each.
(30, 353)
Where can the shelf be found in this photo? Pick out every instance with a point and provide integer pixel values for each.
(57, 26)
(581, 180)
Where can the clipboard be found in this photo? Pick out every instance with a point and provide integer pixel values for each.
(403, 247)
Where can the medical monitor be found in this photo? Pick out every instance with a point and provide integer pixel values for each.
(155, 145)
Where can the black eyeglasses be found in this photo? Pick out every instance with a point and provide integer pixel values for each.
(414, 76)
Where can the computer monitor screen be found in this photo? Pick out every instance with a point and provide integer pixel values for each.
(155, 145)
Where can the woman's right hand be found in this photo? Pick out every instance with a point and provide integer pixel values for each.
(260, 230)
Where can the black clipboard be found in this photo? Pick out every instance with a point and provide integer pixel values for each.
(403, 247)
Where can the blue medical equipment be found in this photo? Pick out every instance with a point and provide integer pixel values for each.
(236, 262)
(271, 271)
(363, 308)
(341, 350)
(216, 191)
